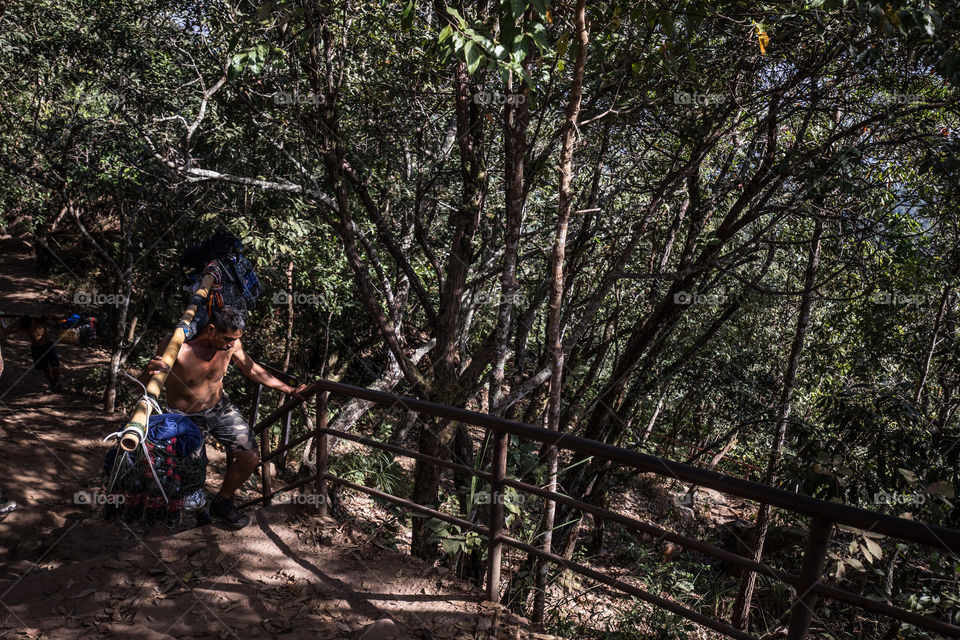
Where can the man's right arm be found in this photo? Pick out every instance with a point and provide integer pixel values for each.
(155, 364)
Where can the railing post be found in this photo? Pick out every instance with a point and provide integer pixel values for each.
(495, 546)
(264, 448)
(285, 441)
(814, 558)
(321, 440)
(255, 407)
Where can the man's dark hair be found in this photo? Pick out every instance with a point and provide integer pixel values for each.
(228, 319)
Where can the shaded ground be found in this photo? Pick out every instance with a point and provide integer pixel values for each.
(280, 577)
(67, 573)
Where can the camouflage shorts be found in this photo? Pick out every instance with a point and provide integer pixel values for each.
(224, 422)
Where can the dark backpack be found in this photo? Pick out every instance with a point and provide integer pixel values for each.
(237, 283)
(240, 286)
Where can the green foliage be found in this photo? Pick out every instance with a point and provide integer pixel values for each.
(451, 538)
(712, 135)
(521, 29)
(375, 469)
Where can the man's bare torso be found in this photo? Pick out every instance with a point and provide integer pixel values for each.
(196, 380)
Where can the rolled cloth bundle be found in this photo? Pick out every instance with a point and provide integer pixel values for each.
(136, 428)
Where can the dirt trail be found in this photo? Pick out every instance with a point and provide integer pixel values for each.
(66, 573)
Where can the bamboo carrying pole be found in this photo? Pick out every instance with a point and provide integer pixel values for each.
(136, 428)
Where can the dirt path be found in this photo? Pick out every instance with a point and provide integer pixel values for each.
(67, 573)
(279, 578)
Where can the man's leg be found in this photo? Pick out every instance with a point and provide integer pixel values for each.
(53, 360)
(231, 430)
(243, 466)
(45, 359)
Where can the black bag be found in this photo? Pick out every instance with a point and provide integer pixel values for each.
(236, 284)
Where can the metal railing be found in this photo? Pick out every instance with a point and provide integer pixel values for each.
(748, 469)
(824, 516)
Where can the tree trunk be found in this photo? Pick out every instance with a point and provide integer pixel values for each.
(653, 420)
(556, 298)
(288, 335)
(516, 118)
(934, 341)
(447, 389)
(125, 283)
(741, 608)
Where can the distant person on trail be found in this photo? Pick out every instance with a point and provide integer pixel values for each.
(195, 388)
(42, 348)
(6, 506)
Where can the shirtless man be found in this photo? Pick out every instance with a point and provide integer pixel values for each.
(195, 388)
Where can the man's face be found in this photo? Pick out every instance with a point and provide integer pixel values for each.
(224, 340)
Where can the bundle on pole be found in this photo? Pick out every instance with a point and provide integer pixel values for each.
(136, 429)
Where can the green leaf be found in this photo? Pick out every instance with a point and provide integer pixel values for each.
(539, 34)
(666, 21)
(472, 55)
(445, 33)
(450, 545)
(517, 7)
(406, 16)
(237, 64)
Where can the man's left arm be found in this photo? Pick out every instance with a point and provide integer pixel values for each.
(258, 374)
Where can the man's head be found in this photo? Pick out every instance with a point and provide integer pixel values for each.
(225, 327)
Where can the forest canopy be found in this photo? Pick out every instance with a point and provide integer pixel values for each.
(705, 222)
